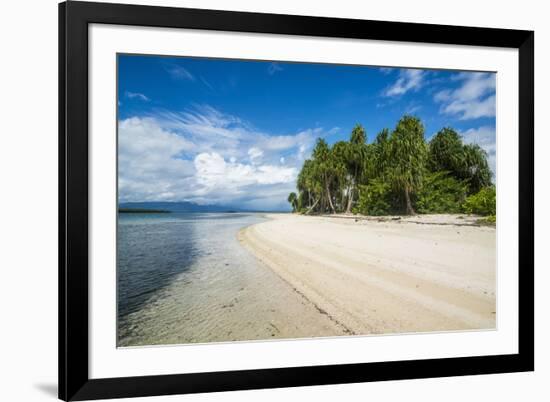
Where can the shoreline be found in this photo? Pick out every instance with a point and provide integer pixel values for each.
(379, 276)
(222, 294)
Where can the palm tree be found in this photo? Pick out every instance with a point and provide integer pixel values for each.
(293, 200)
(344, 180)
(408, 158)
(355, 160)
(308, 185)
(446, 152)
(388, 171)
(324, 171)
(475, 169)
(377, 164)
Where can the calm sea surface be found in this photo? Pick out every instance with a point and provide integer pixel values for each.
(185, 278)
(156, 250)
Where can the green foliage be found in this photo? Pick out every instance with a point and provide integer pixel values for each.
(408, 153)
(476, 168)
(375, 199)
(441, 193)
(465, 162)
(481, 203)
(408, 156)
(351, 157)
(293, 200)
(358, 135)
(446, 152)
(378, 162)
(397, 173)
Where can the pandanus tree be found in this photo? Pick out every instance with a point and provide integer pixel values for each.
(396, 170)
(343, 180)
(408, 157)
(465, 162)
(349, 159)
(378, 161)
(323, 172)
(309, 187)
(446, 152)
(355, 161)
(293, 200)
(302, 185)
(476, 170)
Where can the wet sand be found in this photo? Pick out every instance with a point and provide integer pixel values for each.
(366, 276)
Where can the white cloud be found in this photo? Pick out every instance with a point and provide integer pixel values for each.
(282, 142)
(255, 154)
(179, 73)
(136, 95)
(409, 80)
(203, 155)
(148, 161)
(474, 98)
(302, 152)
(214, 172)
(230, 136)
(485, 137)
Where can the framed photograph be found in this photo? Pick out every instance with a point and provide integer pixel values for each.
(257, 201)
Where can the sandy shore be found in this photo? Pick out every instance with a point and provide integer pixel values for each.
(428, 273)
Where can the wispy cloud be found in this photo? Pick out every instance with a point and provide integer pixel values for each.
(386, 70)
(255, 155)
(274, 68)
(178, 72)
(474, 98)
(409, 80)
(413, 108)
(207, 156)
(205, 82)
(136, 95)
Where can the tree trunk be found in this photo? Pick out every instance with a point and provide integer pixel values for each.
(410, 210)
(330, 200)
(350, 201)
(353, 184)
(313, 206)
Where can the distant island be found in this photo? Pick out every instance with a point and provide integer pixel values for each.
(142, 211)
(181, 206)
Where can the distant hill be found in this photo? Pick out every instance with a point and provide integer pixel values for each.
(182, 206)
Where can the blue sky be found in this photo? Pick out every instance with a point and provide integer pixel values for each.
(237, 132)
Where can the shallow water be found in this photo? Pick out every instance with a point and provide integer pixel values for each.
(184, 277)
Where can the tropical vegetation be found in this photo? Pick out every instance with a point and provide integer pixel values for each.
(399, 172)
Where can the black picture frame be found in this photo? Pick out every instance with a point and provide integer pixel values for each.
(74, 18)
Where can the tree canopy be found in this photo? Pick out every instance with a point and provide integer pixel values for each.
(398, 172)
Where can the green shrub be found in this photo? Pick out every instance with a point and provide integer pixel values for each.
(376, 198)
(440, 193)
(481, 203)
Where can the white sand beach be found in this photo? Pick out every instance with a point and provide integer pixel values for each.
(371, 276)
